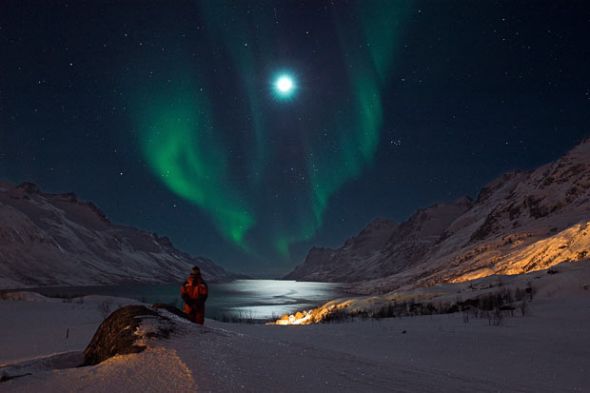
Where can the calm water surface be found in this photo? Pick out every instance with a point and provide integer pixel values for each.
(256, 299)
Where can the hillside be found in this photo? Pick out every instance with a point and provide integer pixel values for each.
(520, 222)
(56, 239)
(326, 264)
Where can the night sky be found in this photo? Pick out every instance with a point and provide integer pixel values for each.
(168, 116)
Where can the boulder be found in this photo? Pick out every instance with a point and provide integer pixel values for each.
(126, 331)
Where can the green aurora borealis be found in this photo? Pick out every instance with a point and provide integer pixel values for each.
(262, 169)
(166, 116)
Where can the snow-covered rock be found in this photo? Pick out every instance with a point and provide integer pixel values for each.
(56, 239)
(520, 222)
(126, 331)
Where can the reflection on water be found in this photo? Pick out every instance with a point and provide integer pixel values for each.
(256, 299)
(264, 299)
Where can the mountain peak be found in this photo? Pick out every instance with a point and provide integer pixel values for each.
(580, 152)
(28, 188)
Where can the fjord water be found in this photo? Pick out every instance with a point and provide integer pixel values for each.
(247, 299)
(264, 299)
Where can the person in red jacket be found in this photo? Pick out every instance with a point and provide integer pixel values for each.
(194, 293)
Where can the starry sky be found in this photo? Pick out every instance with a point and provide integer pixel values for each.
(167, 116)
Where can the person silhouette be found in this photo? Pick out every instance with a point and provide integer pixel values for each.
(194, 293)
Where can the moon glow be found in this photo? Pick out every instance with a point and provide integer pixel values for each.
(284, 85)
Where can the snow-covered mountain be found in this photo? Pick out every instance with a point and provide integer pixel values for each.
(351, 261)
(520, 222)
(56, 239)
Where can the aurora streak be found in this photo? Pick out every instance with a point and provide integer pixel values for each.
(184, 139)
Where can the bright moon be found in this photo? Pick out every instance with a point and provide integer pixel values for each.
(284, 85)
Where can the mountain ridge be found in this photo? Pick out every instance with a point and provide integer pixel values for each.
(55, 239)
(519, 222)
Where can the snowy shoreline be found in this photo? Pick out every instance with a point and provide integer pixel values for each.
(545, 351)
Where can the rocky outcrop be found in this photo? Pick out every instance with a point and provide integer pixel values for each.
(121, 333)
(128, 329)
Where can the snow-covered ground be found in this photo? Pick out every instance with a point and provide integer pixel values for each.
(33, 325)
(545, 351)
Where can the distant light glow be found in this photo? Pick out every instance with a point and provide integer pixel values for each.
(284, 85)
